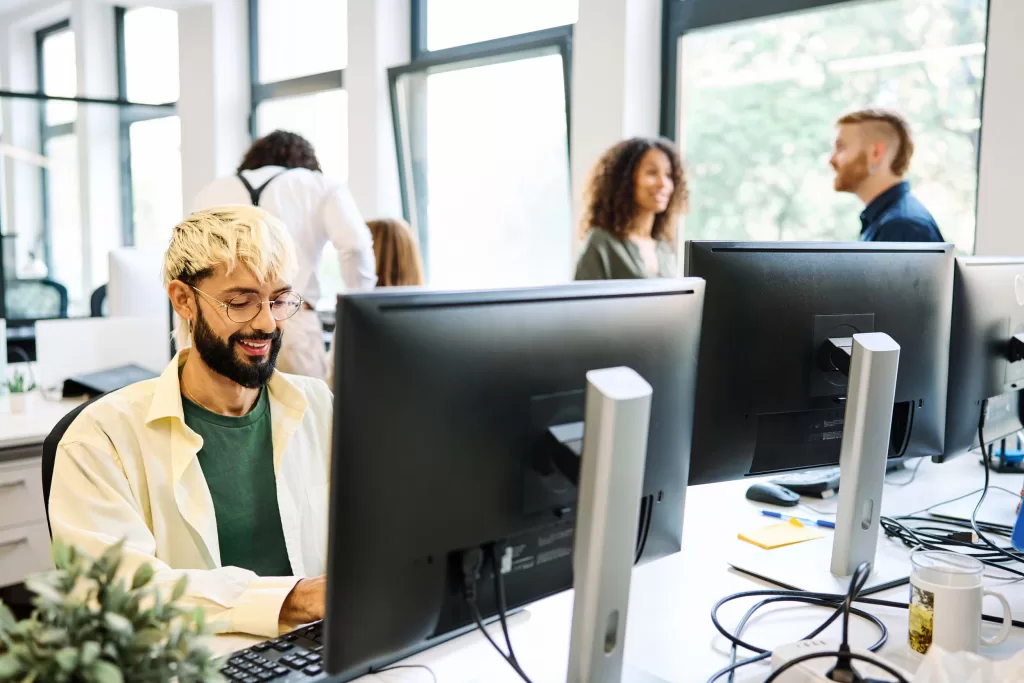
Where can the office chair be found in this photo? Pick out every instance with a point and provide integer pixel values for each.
(36, 299)
(97, 302)
(50, 451)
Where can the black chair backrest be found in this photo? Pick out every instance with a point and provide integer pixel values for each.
(96, 301)
(50, 444)
(35, 299)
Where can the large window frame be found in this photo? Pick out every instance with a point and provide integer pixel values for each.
(680, 17)
(412, 179)
(48, 132)
(128, 114)
(291, 87)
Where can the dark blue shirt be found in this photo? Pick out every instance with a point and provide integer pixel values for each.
(897, 216)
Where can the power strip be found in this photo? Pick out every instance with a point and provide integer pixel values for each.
(814, 670)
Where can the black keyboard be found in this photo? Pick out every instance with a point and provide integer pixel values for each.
(291, 658)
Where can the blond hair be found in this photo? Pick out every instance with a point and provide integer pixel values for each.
(396, 252)
(229, 236)
(892, 129)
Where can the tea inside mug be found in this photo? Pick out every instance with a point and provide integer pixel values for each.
(947, 569)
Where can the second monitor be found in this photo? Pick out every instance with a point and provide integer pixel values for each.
(770, 396)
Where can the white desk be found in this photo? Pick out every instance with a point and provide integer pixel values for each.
(670, 633)
(32, 426)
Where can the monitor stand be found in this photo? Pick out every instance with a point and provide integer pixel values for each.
(874, 361)
(611, 478)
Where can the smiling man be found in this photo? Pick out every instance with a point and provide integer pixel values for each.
(218, 468)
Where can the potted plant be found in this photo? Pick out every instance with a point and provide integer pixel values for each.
(90, 626)
(18, 386)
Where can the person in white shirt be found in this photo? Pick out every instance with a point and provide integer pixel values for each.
(280, 173)
(218, 469)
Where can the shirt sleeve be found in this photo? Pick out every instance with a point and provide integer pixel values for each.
(592, 264)
(349, 234)
(92, 507)
(904, 230)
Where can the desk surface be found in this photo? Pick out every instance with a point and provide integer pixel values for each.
(670, 633)
(32, 426)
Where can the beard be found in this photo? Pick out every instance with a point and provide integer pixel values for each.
(222, 358)
(850, 176)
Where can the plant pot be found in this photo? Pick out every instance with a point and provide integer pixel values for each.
(17, 402)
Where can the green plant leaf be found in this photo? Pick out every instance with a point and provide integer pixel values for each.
(105, 672)
(67, 659)
(51, 636)
(41, 586)
(10, 667)
(90, 653)
(7, 620)
(179, 588)
(143, 575)
(61, 554)
(148, 637)
(118, 624)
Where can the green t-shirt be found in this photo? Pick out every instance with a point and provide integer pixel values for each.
(238, 462)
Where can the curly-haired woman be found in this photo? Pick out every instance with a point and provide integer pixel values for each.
(634, 198)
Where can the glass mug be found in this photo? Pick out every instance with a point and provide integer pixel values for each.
(946, 594)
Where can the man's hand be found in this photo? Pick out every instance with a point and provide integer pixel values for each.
(306, 602)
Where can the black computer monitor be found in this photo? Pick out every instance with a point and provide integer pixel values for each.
(765, 401)
(443, 404)
(986, 358)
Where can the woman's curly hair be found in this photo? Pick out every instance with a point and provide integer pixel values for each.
(280, 148)
(610, 197)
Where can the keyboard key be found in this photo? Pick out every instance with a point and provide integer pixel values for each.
(313, 658)
(283, 647)
(261, 647)
(250, 679)
(281, 671)
(312, 670)
(291, 637)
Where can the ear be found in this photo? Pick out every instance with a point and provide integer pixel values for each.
(182, 300)
(877, 153)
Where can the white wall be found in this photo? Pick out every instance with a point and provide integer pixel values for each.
(1001, 173)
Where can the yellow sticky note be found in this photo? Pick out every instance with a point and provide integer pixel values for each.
(778, 535)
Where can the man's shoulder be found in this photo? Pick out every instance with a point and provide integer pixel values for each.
(313, 389)
(128, 406)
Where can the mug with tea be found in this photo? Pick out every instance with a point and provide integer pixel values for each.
(946, 593)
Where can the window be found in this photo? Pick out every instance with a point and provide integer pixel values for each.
(483, 157)
(320, 117)
(56, 72)
(150, 136)
(301, 91)
(320, 25)
(461, 22)
(758, 101)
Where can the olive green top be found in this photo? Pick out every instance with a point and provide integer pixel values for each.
(606, 257)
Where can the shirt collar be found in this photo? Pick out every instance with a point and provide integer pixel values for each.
(882, 202)
(167, 397)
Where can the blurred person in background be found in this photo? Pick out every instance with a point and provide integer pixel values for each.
(398, 255)
(872, 153)
(281, 174)
(634, 198)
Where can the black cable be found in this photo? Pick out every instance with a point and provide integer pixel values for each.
(836, 602)
(984, 491)
(393, 667)
(499, 592)
(953, 536)
(821, 655)
(913, 476)
(472, 562)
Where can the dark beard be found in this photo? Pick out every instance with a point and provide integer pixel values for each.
(220, 356)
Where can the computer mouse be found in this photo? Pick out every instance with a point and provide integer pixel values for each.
(772, 494)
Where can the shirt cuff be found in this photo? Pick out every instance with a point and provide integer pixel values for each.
(257, 611)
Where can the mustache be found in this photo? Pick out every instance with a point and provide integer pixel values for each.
(257, 336)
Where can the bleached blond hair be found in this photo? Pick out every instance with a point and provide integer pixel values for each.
(229, 236)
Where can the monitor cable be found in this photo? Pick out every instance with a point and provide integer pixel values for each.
(472, 566)
(842, 606)
(987, 454)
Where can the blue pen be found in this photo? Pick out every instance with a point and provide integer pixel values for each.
(802, 520)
